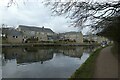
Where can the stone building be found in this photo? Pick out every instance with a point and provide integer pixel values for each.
(36, 32)
(95, 38)
(72, 36)
(10, 35)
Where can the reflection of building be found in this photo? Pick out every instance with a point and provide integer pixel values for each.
(24, 56)
(89, 49)
(41, 54)
(73, 52)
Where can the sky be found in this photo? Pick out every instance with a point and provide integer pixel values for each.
(34, 13)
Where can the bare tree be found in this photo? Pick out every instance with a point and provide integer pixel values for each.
(111, 28)
(80, 12)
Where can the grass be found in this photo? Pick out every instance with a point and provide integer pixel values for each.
(87, 69)
(114, 50)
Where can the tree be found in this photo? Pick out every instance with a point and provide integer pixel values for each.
(100, 14)
(111, 29)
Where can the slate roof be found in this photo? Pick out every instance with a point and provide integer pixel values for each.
(33, 28)
(71, 33)
(94, 35)
(12, 32)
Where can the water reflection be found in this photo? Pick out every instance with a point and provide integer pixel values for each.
(60, 61)
(35, 54)
(27, 55)
(72, 52)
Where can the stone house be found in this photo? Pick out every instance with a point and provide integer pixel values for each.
(73, 36)
(101, 39)
(54, 37)
(93, 37)
(11, 35)
(36, 32)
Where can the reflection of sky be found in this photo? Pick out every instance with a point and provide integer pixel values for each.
(84, 57)
(60, 66)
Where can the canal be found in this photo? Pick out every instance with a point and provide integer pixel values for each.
(42, 62)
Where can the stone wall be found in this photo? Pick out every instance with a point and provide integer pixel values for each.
(14, 39)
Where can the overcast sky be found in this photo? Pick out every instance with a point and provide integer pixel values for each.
(33, 13)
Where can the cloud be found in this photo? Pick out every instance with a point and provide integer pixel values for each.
(33, 13)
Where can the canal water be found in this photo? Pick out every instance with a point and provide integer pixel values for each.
(42, 62)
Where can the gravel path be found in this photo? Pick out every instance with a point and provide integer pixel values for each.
(106, 65)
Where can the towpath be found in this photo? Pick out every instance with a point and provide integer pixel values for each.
(106, 65)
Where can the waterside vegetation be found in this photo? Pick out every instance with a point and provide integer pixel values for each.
(86, 70)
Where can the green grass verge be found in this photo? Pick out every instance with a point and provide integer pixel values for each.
(86, 70)
(114, 50)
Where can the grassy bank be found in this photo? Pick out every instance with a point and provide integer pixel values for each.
(87, 69)
(115, 49)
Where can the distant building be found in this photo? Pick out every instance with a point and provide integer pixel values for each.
(73, 36)
(101, 39)
(54, 37)
(24, 34)
(95, 38)
(31, 31)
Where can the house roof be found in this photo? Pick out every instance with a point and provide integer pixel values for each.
(70, 33)
(15, 33)
(94, 35)
(10, 31)
(33, 28)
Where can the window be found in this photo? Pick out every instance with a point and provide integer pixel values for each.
(15, 36)
(3, 35)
